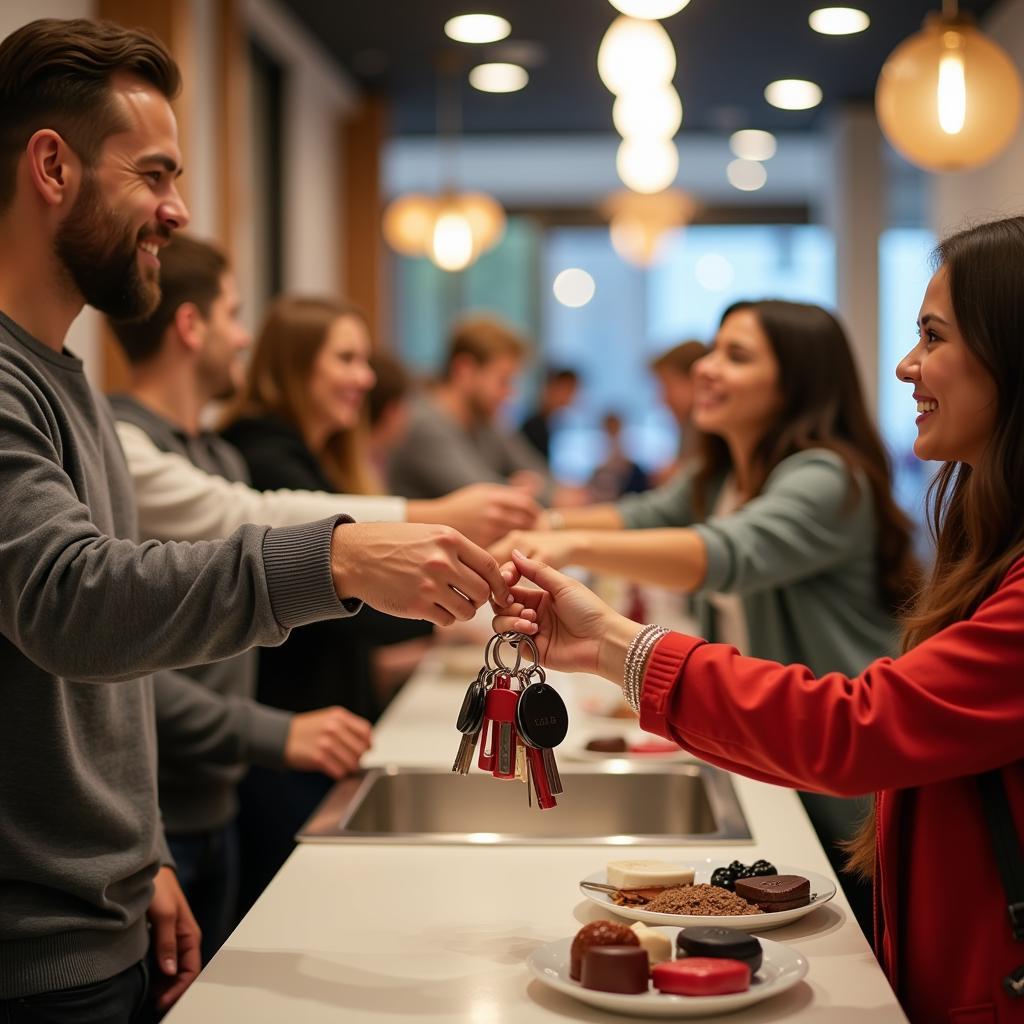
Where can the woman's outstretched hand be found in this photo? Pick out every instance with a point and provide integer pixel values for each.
(575, 631)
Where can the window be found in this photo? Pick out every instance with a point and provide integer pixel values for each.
(636, 314)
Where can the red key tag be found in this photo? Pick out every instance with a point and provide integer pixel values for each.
(501, 709)
(490, 731)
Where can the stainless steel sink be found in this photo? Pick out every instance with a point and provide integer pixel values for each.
(613, 804)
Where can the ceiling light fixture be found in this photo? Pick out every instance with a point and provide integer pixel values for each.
(656, 114)
(477, 28)
(639, 224)
(498, 77)
(647, 165)
(838, 21)
(452, 228)
(752, 144)
(650, 10)
(746, 175)
(949, 98)
(793, 94)
(635, 56)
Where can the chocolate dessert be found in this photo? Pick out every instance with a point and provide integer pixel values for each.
(720, 943)
(622, 969)
(597, 933)
(608, 745)
(777, 892)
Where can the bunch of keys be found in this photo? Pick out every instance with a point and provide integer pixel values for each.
(520, 717)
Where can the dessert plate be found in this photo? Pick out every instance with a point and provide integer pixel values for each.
(822, 890)
(781, 970)
(574, 748)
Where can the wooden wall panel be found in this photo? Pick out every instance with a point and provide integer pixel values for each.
(363, 259)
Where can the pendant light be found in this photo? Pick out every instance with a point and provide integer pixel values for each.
(452, 228)
(949, 98)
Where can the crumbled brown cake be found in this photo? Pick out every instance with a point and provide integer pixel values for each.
(705, 900)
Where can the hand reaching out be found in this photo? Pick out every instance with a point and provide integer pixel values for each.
(330, 740)
(575, 631)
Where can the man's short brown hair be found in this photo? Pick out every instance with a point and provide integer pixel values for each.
(484, 338)
(56, 74)
(681, 358)
(190, 271)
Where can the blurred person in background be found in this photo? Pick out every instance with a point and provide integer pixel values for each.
(784, 528)
(455, 437)
(184, 355)
(935, 732)
(618, 474)
(387, 409)
(674, 371)
(298, 420)
(558, 392)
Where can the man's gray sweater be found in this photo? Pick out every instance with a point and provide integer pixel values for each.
(86, 615)
(209, 728)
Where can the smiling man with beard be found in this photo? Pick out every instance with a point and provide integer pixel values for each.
(88, 162)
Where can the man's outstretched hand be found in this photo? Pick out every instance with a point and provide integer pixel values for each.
(415, 570)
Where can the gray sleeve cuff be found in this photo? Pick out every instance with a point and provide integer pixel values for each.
(720, 561)
(163, 851)
(267, 734)
(297, 560)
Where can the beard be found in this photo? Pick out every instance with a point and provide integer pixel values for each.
(98, 250)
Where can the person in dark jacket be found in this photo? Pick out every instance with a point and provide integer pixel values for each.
(299, 422)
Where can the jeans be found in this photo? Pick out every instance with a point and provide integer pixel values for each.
(208, 872)
(118, 1000)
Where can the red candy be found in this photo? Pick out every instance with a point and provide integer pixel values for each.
(654, 747)
(701, 976)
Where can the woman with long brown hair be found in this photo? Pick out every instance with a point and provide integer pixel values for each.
(935, 732)
(299, 422)
(784, 526)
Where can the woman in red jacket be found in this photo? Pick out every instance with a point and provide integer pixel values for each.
(918, 729)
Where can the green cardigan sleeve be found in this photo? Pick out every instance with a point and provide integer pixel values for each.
(805, 521)
(665, 506)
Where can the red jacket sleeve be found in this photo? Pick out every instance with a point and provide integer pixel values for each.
(951, 707)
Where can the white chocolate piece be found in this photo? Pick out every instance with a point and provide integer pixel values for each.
(646, 874)
(658, 946)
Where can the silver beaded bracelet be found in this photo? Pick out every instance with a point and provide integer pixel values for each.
(637, 654)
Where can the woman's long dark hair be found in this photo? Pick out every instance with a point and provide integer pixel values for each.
(975, 511)
(822, 407)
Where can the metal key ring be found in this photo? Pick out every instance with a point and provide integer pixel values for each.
(518, 639)
(511, 670)
(489, 651)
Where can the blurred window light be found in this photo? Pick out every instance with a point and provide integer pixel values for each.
(654, 114)
(635, 56)
(649, 9)
(477, 28)
(751, 144)
(498, 77)
(714, 272)
(746, 175)
(647, 165)
(793, 94)
(838, 21)
(574, 287)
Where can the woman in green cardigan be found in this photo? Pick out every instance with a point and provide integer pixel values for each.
(784, 529)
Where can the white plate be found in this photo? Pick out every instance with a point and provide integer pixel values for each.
(822, 890)
(575, 747)
(782, 969)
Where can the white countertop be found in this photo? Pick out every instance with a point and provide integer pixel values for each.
(357, 932)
